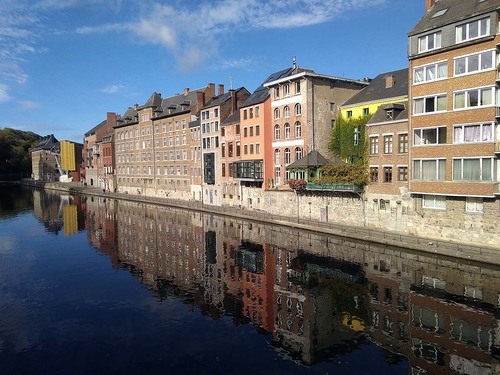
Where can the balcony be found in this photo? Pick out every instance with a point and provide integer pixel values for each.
(334, 187)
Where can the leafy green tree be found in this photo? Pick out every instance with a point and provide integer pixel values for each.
(348, 140)
(15, 150)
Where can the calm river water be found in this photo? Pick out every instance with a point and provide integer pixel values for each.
(98, 286)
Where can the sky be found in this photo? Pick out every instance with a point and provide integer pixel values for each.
(65, 63)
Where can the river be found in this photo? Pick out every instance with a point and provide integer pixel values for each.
(93, 285)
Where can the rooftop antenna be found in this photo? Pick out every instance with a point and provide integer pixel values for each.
(294, 62)
(230, 83)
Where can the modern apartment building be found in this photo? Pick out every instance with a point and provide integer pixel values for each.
(453, 60)
(304, 106)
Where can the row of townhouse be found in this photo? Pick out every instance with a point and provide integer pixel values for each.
(205, 147)
(433, 134)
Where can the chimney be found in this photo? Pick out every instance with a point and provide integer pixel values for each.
(389, 81)
(221, 89)
(186, 91)
(233, 101)
(210, 93)
(429, 4)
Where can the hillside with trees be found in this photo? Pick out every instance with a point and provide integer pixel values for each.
(15, 153)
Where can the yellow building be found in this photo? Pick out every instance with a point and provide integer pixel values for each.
(386, 88)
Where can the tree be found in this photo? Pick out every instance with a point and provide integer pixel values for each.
(348, 140)
(15, 150)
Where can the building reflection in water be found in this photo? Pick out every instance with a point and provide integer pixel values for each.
(319, 296)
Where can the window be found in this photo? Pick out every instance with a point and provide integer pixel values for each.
(403, 143)
(431, 72)
(435, 202)
(288, 156)
(277, 175)
(387, 174)
(429, 42)
(473, 169)
(276, 132)
(257, 111)
(251, 131)
(287, 130)
(298, 153)
(257, 148)
(474, 204)
(297, 87)
(471, 133)
(298, 130)
(277, 158)
(276, 92)
(403, 173)
(298, 109)
(387, 144)
(473, 98)
(366, 111)
(257, 130)
(276, 113)
(429, 136)
(373, 174)
(286, 89)
(429, 169)
(245, 132)
(286, 112)
(250, 112)
(230, 149)
(251, 148)
(349, 114)
(473, 30)
(245, 114)
(474, 63)
(373, 145)
(430, 104)
(245, 149)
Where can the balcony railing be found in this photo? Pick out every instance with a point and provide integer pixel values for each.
(335, 187)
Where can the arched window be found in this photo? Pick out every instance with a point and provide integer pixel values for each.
(287, 130)
(288, 156)
(286, 111)
(298, 153)
(276, 132)
(298, 130)
(298, 109)
(276, 113)
(277, 157)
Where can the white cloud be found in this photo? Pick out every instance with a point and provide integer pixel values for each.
(112, 89)
(28, 105)
(4, 93)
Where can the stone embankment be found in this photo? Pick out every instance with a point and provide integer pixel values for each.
(439, 248)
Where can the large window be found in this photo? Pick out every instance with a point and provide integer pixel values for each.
(298, 109)
(387, 144)
(373, 145)
(436, 202)
(474, 63)
(286, 112)
(403, 173)
(373, 174)
(429, 136)
(470, 133)
(431, 72)
(480, 97)
(429, 169)
(276, 132)
(474, 204)
(288, 156)
(473, 169)
(276, 113)
(298, 153)
(473, 30)
(387, 174)
(287, 130)
(429, 42)
(403, 143)
(429, 104)
(298, 130)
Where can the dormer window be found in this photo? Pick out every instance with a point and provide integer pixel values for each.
(473, 30)
(429, 42)
(389, 114)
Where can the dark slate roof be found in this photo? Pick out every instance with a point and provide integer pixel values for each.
(314, 159)
(153, 101)
(457, 11)
(258, 96)
(94, 129)
(232, 119)
(221, 99)
(376, 89)
(195, 123)
(48, 142)
(129, 117)
(177, 103)
(380, 115)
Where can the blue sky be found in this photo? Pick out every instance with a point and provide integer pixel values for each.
(65, 63)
